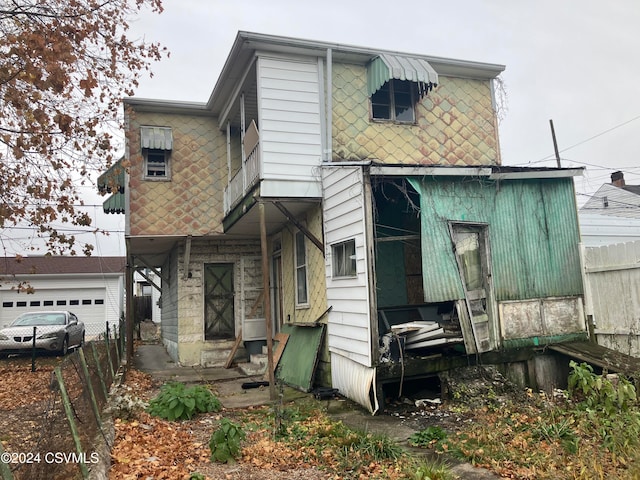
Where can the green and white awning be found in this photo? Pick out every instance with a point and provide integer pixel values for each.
(386, 67)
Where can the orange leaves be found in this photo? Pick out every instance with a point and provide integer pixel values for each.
(64, 68)
(154, 447)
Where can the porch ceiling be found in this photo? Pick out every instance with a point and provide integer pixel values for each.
(244, 220)
(152, 251)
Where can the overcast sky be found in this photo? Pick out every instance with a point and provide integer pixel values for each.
(574, 61)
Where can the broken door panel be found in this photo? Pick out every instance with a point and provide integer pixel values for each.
(472, 256)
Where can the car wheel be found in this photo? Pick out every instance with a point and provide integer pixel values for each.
(65, 346)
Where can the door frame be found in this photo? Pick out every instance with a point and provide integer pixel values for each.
(465, 310)
(232, 267)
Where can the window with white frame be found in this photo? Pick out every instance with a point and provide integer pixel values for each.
(394, 101)
(156, 164)
(302, 290)
(343, 256)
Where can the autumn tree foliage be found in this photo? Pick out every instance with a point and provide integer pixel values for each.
(64, 67)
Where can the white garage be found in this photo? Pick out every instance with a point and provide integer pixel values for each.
(90, 287)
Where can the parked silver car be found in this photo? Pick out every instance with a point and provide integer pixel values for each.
(55, 332)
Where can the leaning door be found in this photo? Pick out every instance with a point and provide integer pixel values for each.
(472, 255)
(219, 318)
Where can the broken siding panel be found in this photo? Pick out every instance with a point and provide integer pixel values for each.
(349, 331)
(290, 120)
(533, 236)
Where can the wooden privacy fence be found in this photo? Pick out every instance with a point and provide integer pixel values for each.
(612, 295)
(59, 431)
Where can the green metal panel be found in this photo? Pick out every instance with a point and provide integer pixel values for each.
(114, 204)
(299, 359)
(533, 235)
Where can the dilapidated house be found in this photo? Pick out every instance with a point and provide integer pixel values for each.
(366, 189)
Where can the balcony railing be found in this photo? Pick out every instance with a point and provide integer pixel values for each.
(243, 181)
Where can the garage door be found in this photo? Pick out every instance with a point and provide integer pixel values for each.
(88, 305)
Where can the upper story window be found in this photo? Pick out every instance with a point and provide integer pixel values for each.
(395, 83)
(394, 101)
(156, 143)
(156, 164)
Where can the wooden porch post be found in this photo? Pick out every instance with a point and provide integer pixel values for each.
(267, 302)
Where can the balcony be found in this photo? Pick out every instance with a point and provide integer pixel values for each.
(249, 174)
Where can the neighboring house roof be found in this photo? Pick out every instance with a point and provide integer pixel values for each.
(50, 265)
(615, 199)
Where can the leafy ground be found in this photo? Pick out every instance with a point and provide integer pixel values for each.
(594, 433)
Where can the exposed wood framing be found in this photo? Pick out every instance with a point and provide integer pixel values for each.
(307, 233)
(153, 269)
(141, 272)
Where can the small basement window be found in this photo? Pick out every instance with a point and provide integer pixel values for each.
(344, 259)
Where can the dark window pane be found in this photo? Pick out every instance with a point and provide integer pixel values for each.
(381, 103)
(61, 302)
(86, 302)
(21, 304)
(34, 303)
(74, 302)
(7, 304)
(48, 303)
(98, 301)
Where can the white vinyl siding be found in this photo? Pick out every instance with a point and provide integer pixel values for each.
(349, 326)
(290, 125)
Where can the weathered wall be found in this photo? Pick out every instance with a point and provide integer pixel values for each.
(456, 124)
(533, 235)
(190, 292)
(191, 202)
(315, 273)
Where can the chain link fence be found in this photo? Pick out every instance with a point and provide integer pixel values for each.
(62, 430)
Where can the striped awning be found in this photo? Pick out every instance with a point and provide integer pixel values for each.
(400, 67)
(113, 179)
(114, 204)
(156, 138)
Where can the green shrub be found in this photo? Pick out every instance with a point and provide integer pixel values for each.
(429, 470)
(427, 437)
(225, 442)
(176, 402)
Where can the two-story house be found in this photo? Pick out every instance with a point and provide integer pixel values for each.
(366, 187)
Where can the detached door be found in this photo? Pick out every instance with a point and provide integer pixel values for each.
(219, 318)
(471, 248)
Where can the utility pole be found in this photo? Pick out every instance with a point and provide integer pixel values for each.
(555, 143)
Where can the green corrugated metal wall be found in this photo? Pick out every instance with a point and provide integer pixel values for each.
(533, 235)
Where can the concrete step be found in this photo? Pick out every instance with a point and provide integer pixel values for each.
(251, 369)
(217, 356)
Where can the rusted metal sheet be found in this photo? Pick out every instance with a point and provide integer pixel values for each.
(533, 235)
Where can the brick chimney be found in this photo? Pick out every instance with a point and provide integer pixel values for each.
(617, 179)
